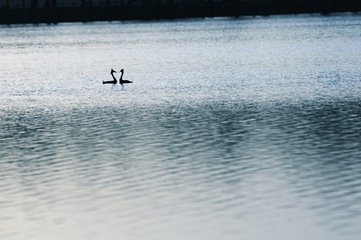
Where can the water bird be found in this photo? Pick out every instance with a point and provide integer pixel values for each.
(121, 80)
(112, 71)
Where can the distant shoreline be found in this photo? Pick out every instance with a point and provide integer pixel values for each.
(176, 11)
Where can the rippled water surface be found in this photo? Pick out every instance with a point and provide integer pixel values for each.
(232, 129)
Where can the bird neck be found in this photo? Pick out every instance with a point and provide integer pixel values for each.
(121, 75)
(113, 76)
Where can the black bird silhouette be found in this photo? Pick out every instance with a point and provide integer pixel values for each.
(121, 81)
(114, 79)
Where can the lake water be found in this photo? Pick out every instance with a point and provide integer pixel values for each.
(243, 128)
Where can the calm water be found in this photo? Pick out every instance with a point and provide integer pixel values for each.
(232, 129)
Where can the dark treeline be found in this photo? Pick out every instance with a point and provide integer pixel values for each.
(52, 11)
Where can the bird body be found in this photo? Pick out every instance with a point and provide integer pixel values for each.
(121, 80)
(112, 71)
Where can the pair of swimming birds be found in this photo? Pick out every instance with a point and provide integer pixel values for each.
(121, 80)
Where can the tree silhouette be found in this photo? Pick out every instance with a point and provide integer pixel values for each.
(34, 3)
(86, 3)
(146, 3)
(50, 3)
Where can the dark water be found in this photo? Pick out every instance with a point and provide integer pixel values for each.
(232, 129)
